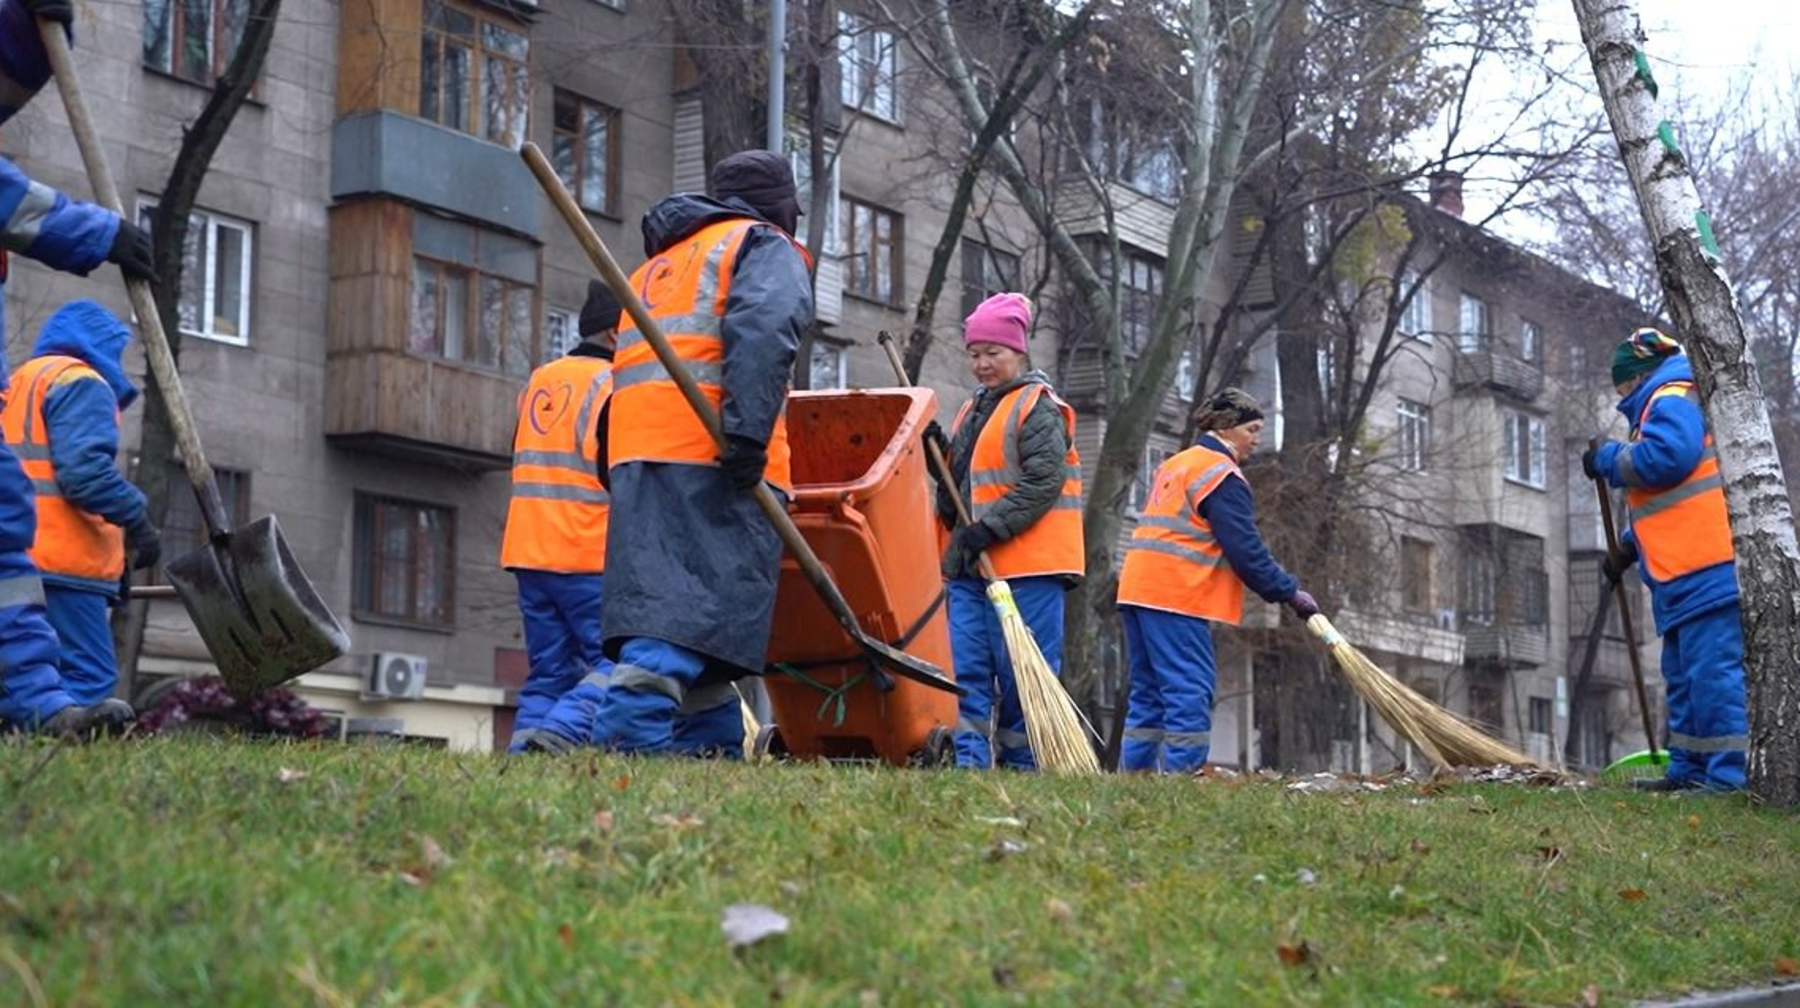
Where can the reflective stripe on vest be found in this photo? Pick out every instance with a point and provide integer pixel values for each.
(685, 287)
(1053, 544)
(1684, 528)
(1174, 562)
(70, 541)
(556, 520)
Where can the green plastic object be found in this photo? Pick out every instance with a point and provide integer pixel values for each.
(1643, 763)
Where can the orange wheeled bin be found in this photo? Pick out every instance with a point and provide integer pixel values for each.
(863, 503)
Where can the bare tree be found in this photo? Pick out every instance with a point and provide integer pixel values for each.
(1705, 307)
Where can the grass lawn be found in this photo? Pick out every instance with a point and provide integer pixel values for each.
(202, 873)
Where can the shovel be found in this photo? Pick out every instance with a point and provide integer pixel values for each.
(882, 655)
(259, 616)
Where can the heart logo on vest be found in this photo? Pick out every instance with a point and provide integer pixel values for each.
(547, 407)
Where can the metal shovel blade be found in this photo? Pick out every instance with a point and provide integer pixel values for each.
(260, 618)
(907, 667)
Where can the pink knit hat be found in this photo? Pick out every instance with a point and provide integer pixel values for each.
(1001, 319)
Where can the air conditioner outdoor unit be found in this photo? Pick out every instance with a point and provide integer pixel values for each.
(394, 676)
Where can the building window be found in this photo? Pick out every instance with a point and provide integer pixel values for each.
(867, 65)
(1414, 433)
(215, 275)
(1418, 573)
(1473, 329)
(1187, 376)
(193, 39)
(472, 74)
(986, 271)
(1575, 365)
(1479, 576)
(405, 561)
(872, 243)
(473, 300)
(1154, 457)
(1524, 447)
(1131, 146)
(1531, 341)
(182, 529)
(561, 333)
(1140, 292)
(1486, 707)
(585, 150)
(1415, 310)
(800, 160)
(1538, 712)
(830, 370)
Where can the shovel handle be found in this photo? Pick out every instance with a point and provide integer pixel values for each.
(1625, 623)
(690, 390)
(936, 455)
(143, 298)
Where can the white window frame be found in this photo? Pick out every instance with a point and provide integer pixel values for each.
(1415, 313)
(1413, 434)
(212, 222)
(1474, 324)
(1531, 341)
(1187, 374)
(838, 363)
(868, 67)
(562, 330)
(1514, 426)
(800, 163)
(1154, 456)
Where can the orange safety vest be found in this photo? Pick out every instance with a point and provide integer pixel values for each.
(1174, 562)
(69, 541)
(1684, 528)
(556, 520)
(1052, 545)
(685, 288)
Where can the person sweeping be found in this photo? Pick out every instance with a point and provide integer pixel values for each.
(1680, 532)
(1195, 550)
(1012, 456)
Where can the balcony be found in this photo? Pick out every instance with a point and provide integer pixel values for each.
(1515, 645)
(1409, 638)
(1498, 370)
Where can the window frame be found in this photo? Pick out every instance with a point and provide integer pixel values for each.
(1480, 337)
(183, 529)
(1425, 580)
(1415, 311)
(220, 45)
(1531, 341)
(992, 271)
(473, 319)
(206, 308)
(569, 323)
(612, 119)
(1413, 433)
(864, 48)
(860, 261)
(475, 83)
(841, 379)
(1533, 450)
(799, 157)
(365, 577)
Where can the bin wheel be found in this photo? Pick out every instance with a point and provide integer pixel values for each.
(939, 749)
(769, 744)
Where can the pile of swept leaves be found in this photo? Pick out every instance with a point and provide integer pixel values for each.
(188, 871)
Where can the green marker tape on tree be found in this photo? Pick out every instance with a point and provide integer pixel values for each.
(1666, 134)
(1707, 241)
(1643, 71)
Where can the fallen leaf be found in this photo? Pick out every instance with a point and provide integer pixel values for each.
(1420, 846)
(869, 999)
(433, 854)
(1005, 820)
(415, 877)
(1787, 966)
(1006, 847)
(1294, 955)
(745, 924)
(621, 782)
(1550, 853)
(1004, 975)
(1631, 895)
(1059, 911)
(288, 775)
(682, 821)
(1259, 878)
(1443, 990)
(1693, 822)
(565, 934)
(603, 822)
(1590, 998)
(1306, 876)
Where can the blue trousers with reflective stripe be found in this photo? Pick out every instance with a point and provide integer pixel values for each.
(90, 665)
(1169, 710)
(1703, 665)
(31, 685)
(979, 651)
(633, 717)
(562, 641)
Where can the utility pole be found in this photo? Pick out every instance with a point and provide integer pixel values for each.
(777, 75)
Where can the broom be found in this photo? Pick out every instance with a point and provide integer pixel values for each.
(1053, 725)
(1444, 738)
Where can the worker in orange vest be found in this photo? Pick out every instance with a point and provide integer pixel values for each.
(1679, 530)
(62, 418)
(555, 539)
(691, 560)
(40, 223)
(1012, 457)
(1195, 549)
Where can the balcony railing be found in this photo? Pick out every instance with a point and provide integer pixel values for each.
(1511, 645)
(1499, 370)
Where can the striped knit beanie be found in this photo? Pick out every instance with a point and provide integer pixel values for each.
(1641, 353)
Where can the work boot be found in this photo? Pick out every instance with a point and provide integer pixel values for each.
(73, 721)
(1662, 784)
(111, 717)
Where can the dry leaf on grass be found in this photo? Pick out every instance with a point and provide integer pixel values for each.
(1059, 911)
(288, 775)
(1631, 895)
(745, 924)
(621, 782)
(1550, 853)
(603, 822)
(1443, 990)
(1294, 953)
(1693, 822)
(681, 821)
(1787, 966)
(1590, 998)
(1420, 846)
(1306, 876)
(1006, 847)
(432, 852)
(565, 934)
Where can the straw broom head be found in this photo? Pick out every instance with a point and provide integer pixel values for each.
(1447, 740)
(1052, 723)
(751, 727)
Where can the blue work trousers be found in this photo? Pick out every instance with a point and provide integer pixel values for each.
(82, 620)
(1703, 666)
(31, 685)
(651, 704)
(983, 667)
(562, 641)
(1168, 719)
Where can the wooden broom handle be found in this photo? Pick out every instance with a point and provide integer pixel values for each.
(1625, 624)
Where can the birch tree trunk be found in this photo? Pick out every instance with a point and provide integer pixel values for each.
(1705, 309)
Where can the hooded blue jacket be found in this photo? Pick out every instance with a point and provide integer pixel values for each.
(81, 416)
(1668, 447)
(1231, 512)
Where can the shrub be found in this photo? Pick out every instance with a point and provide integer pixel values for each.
(206, 701)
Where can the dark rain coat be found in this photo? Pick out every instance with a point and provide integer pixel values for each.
(690, 560)
(1043, 447)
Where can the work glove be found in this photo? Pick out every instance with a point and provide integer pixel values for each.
(743, 462)
(1303, 604)
(145, 544)
(1591, 462)
(60, 11)
(967, 543)
(131, 249)
(1618, 561)
(934, 435)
